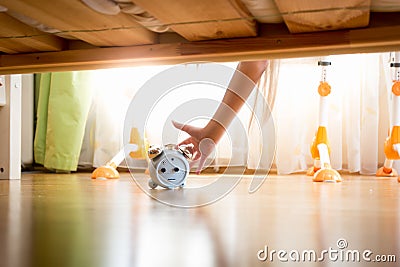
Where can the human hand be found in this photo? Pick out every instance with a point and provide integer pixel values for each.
(202, 147)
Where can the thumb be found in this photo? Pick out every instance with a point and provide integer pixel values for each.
(191, 130)
(178, 125)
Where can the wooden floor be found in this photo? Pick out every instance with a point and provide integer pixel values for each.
(71, 220)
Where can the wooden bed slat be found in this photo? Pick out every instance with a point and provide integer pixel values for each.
(79, 21)
(28, 39)
(317, 15)
(274, 41)
(202, 20)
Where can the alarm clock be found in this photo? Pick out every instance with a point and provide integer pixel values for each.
(168, 166)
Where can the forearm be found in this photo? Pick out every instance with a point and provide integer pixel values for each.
(239, 89)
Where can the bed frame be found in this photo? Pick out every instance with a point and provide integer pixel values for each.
(198, 34)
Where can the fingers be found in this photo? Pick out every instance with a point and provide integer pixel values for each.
(197, 155)
(202, 161)
(199, 158)
(187, 141)
(192, 163)
(199, 167)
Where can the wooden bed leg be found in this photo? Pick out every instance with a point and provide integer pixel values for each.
(10, 127)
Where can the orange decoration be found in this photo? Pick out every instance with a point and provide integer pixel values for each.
(106, 171)
(321, 137)
(394, 138)
(396, 88)
(386, 172)
(327, 175)
(324, 89)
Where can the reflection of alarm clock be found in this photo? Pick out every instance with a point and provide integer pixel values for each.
(168, 166)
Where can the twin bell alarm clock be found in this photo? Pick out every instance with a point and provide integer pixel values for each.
(168, 166)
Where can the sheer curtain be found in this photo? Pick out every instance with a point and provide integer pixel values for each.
(113, 92)
(359, 107)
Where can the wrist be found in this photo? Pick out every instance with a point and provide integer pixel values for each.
(213, 130)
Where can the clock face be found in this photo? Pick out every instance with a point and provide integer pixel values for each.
(172, 169)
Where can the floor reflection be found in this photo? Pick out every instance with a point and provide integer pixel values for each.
(71, 220)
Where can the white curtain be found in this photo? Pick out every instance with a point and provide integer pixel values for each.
(113, 92)
(359, 106)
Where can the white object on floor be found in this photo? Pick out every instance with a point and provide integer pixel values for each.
(10, 135)
(2, 91)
